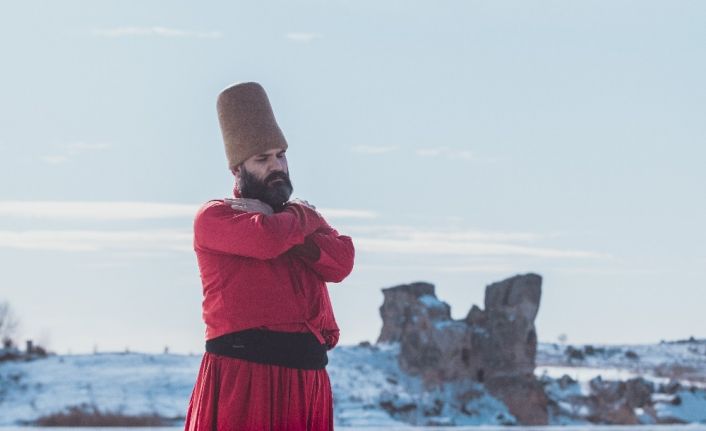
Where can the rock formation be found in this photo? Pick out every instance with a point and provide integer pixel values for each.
(495, 346)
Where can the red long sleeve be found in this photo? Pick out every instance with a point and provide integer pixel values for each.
(219, 228)
(329, 254)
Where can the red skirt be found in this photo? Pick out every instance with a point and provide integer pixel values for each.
(233, 394)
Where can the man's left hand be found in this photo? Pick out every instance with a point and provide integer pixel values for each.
(249, 205)
(302, 202)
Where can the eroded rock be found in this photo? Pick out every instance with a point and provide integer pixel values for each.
(495, 345)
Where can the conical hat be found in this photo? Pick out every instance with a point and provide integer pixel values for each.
(247, 122)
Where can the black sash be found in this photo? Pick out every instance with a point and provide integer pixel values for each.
(288, 349)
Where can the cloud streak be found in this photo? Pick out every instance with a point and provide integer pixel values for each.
(97, 240)
(180, 240)
(77, 210)
(406, 240)
(447, 152)
(371, 149)
(428, 152)
(73, 149)
(302, 37)
(128, 210)
(457, 248)
(395, 240)
(157, 31)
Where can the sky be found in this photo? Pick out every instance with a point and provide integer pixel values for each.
(457, 142)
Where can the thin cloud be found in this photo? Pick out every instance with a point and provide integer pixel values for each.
(371, 149)
(430, 152)
(459, 242)
(403, 231)
(69, 151)
(155, 31)
(447, 152)
(303, 37)
(96, 240)
(127, 210)
(82, 147)
(416, 246)
(470, 268)
(95, 210)
(340, 213)
(55, 159)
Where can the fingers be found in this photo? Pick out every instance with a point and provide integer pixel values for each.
(303, 202)
(236, 204)
(249, 205)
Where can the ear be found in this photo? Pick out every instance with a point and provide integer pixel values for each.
(236, 173)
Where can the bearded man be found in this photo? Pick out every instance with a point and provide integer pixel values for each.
(264, 262)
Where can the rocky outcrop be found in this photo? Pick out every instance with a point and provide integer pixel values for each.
(495, 346)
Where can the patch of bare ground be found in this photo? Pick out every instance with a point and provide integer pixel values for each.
(87, 415)
(680, 372)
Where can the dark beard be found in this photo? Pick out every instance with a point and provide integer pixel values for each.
(274, 195)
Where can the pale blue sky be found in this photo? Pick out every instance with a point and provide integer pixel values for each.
(457, 142)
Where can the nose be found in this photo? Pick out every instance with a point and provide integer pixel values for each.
(278, 164)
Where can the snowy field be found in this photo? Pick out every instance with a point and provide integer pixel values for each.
(363, 379)
(471, 428)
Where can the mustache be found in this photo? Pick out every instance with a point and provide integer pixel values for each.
(277, 176)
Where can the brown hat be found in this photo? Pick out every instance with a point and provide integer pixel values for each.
(247, 122)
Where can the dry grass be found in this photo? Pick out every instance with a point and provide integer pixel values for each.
(680, 372)
(85, 415)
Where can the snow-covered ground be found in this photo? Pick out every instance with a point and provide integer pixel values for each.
(369, 388)
(681, 361)
(676, 369)
(363, 379)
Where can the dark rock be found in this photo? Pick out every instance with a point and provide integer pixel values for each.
(671, 388)
(638, 392)
(524, 397)
(435, 409)
(609, 391)
(394, 408)
(497, 344)
(399, 309)
(573, 353)
(566, 381)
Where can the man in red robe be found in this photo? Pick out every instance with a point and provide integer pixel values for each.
(264, 262)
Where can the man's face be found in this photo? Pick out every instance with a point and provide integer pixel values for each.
(265, 177)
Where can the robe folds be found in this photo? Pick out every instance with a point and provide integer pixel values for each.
(265, 272)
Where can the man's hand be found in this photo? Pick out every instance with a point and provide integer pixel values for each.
(249, 205)
(302, 202)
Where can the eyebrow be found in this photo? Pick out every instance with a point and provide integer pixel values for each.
(265, 155)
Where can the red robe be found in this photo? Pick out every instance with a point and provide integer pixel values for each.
(269, 272)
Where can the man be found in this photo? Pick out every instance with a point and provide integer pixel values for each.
(264, 262)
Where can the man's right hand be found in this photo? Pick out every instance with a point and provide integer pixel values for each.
(249, 205)
(303, 203)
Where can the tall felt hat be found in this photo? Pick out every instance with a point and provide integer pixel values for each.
(247, 122)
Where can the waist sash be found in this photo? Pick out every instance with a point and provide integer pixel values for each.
(287, 349)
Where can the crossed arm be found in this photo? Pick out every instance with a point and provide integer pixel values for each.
(298, 229)
(327, 253)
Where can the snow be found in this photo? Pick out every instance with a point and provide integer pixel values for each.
(691, 408)
(370, 390)
(131, 383)
(678, 361)
(431, 301)
(366, 378)
(363, 379)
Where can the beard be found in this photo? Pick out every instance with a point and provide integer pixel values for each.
(274, 194)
